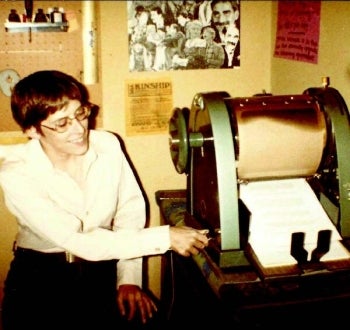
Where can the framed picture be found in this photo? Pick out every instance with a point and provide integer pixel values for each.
(183, 35)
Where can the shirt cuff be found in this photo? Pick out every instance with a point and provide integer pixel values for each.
(155, 240)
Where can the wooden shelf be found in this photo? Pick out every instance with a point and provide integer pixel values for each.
(36, 27)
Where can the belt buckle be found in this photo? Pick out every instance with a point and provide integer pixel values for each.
(70, 257)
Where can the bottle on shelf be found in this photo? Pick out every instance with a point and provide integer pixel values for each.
(40, 16)
(13, 16)
(24, 16)
(56, 16)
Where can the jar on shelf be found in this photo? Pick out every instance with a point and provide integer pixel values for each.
(56, 16)
(40, 16)
(13, 16)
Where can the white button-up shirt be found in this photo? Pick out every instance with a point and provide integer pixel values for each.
(102, 220)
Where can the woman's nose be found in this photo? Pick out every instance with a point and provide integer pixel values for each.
(77, 126)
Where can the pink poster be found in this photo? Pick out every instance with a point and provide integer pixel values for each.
(298, 30)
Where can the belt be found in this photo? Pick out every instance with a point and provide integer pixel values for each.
(46, 256)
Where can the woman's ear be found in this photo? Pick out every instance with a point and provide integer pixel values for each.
(32, 133)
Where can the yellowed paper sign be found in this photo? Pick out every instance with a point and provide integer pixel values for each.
(149, 104)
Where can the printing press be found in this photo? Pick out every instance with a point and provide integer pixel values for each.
(237, 153)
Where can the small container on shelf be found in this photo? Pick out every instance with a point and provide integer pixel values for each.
(13, 16)
(24, 17)
(40, 16)
(56, 16)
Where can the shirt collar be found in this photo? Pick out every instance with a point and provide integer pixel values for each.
(40, 163)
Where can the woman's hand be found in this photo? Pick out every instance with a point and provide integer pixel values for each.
(133, 301)
(188, 241)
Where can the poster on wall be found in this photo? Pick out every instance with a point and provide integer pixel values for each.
(183, 35)
(149, 105)
(298, 30)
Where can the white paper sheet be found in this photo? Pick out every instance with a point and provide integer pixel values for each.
(278, 209)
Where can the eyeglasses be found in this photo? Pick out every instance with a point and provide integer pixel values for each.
(61, 125)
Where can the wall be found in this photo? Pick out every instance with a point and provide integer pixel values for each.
(333, 57)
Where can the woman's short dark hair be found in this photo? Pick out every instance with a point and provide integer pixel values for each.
(41, 94)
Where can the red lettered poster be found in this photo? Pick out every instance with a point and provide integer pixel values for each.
(298, 30)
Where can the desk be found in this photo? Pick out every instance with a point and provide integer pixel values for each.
(196, 292)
